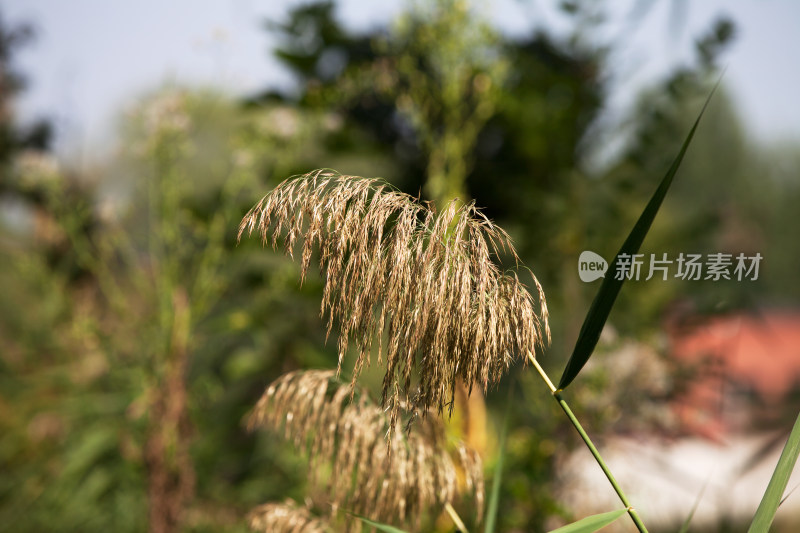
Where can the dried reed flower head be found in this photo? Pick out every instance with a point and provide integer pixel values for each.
(285, 517)
(386, 483)
(425, 279)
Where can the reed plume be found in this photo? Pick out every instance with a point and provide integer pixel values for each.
(425, 280)
(396, 483)
(285, 517)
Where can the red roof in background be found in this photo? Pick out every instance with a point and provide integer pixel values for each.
(760, 352)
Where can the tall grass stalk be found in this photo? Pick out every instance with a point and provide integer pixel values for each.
(589, 444)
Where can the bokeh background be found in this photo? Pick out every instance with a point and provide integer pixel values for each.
(135, 334)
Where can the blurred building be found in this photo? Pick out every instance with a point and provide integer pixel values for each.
(735, 397)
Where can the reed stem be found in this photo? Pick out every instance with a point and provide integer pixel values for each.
(456, 519)
(589, 444)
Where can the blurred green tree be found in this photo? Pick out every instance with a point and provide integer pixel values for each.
(151, 356)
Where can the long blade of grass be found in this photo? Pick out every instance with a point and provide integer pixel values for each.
(788, 494)
(610, 287)
(379, 526)
(685, 525)
(777, 485)
(494, 497)
(593, 523)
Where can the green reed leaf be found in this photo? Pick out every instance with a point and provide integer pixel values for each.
(494, 497)
(593, 523)
(777, 484)
(379, 526)
(610, 287)
(685, 525)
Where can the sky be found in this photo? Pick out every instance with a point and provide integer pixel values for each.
(92, 58)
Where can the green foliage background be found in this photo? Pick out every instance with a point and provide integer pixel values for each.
(440, 103)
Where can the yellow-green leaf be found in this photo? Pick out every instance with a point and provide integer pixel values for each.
(777, 485)
(593, 523)
(379, 526)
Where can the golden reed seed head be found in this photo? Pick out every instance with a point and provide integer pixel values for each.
(400, 271)
(397, 482)
(285, 517)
